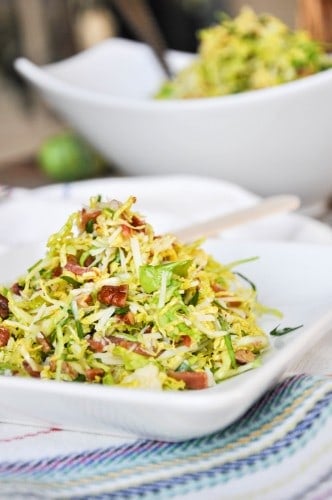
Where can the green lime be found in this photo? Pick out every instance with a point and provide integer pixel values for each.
(66, 157)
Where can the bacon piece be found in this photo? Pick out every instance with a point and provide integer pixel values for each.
(30, 370)
(87, 215)
(88, 261)
(92, 373)
(126, 231)
(57, 271)
(130, 345)
(4, 308)
(216, 287)
(113, 295)
(186, 340)
(74, 267)
(4, 336)
(138, 223)
(233, 303)
(16, 288)
(193, 380)
(243, 356)
(42, 340)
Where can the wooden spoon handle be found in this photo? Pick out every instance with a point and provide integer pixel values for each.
(269, 206)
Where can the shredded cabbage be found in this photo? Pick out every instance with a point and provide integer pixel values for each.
(113, 303)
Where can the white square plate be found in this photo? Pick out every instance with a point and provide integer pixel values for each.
(296, 278)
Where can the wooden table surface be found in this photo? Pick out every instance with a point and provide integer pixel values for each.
(27, 174)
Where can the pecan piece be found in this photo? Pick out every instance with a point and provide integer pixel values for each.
(243, 356)
(4, 308)
(4, 336)
(16, 288)
(42, 340)
(92, 373)
(30, 370)
(68, 369)
(98, 345)
(112, 295)
(130, 345)
(193, 380)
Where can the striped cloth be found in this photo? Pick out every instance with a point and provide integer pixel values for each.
(280, 449)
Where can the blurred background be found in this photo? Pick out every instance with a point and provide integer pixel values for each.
(50, 30)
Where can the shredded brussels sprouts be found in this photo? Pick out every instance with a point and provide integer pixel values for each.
(113, 303)
(246, 53)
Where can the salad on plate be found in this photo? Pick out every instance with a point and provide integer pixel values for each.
(113, 303)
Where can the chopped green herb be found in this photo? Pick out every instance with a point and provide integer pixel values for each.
(89, 226)
(194, 299)
(253, 286)
(79, 329)
(230, 350)
(35, 265)
(121, 310)
(71, 281)
(224, 325)
(236, 263)
(282, 331)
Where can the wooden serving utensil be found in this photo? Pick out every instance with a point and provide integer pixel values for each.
(315, 16)
(139, 17)
(269, 206)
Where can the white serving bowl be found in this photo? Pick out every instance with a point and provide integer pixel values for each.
(269, 141)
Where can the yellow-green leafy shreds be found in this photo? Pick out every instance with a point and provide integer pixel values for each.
(246, 53)
(113, 303)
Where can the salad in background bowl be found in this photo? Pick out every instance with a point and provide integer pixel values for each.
(270, 140)
(250, 52)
